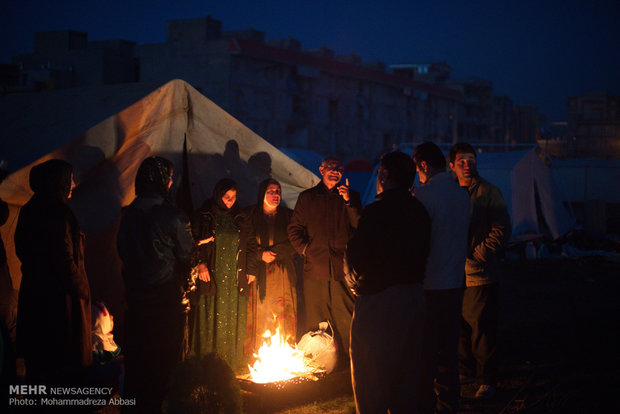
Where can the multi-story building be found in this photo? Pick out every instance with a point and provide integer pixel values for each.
(503, 121)
(494, 122)
(594, 125)
(476, 114)
(527, 124)
(65, 58)
(302, 98)
(554, 139)
(293, 97)
(436, 72)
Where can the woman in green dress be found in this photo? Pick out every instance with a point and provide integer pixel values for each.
(220, 308)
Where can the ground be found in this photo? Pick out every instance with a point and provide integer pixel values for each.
(558, 342)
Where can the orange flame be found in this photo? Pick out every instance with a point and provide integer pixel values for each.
(277, 360)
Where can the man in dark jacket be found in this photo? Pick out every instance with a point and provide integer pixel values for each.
(155, 244)
(386, 257)
(322, 223)
(489, 230)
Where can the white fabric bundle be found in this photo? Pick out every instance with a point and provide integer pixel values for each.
(320, 347)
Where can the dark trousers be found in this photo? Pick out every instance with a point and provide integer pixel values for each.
(386, 342)
(153, 348)
(330, 300)
(478, 338)
(439, 374)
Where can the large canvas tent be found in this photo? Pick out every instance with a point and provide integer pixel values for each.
(532, 197)
(525, 180)
(174, 121)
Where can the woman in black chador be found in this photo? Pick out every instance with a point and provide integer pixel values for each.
(53, 319)
(273, 302)
(155, 245)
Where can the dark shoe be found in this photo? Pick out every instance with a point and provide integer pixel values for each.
(485, 392)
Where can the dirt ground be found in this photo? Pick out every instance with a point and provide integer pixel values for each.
(559, 342)
(558, 338)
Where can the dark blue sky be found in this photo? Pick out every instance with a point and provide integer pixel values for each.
(536, 52)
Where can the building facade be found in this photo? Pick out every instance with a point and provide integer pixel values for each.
(494, 122)
(65, 59)
(292, 97)
(302, 98)
(594, 125)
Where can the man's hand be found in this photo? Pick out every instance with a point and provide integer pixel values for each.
(344, 191)
(203, 273)
(268, 256)
(251, 279)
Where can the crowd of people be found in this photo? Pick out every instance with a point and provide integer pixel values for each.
(408, 283)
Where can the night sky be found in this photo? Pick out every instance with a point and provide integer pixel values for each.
(536, 52)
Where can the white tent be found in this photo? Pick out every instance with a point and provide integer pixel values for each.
(106, 133)
(524, 178)
(532, 197)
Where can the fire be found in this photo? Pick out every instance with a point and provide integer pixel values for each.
(277, 360)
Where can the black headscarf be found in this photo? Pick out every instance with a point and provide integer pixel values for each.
(51, 179)
(221, 188)
(262, 188)
(153, 176)
(260, 223)
(272, 235)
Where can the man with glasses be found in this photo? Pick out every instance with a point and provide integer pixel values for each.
(322, 223)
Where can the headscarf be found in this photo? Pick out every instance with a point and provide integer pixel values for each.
(262, 189)
(153, 176)
(221, 188)
(269, 232)
(260, 223)
(51, 179)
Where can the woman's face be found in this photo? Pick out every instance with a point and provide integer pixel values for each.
(273, 195)
(229, 198)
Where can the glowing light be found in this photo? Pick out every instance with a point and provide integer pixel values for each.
(277, 360)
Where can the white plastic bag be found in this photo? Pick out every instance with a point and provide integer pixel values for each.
(320, 347)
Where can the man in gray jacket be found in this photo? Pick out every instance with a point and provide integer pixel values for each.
(489, 230)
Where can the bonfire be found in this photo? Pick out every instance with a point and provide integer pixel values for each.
(278, 360)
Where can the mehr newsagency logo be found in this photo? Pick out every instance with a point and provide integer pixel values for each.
(42, 395)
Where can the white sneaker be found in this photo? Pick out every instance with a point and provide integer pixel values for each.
(485, 392)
